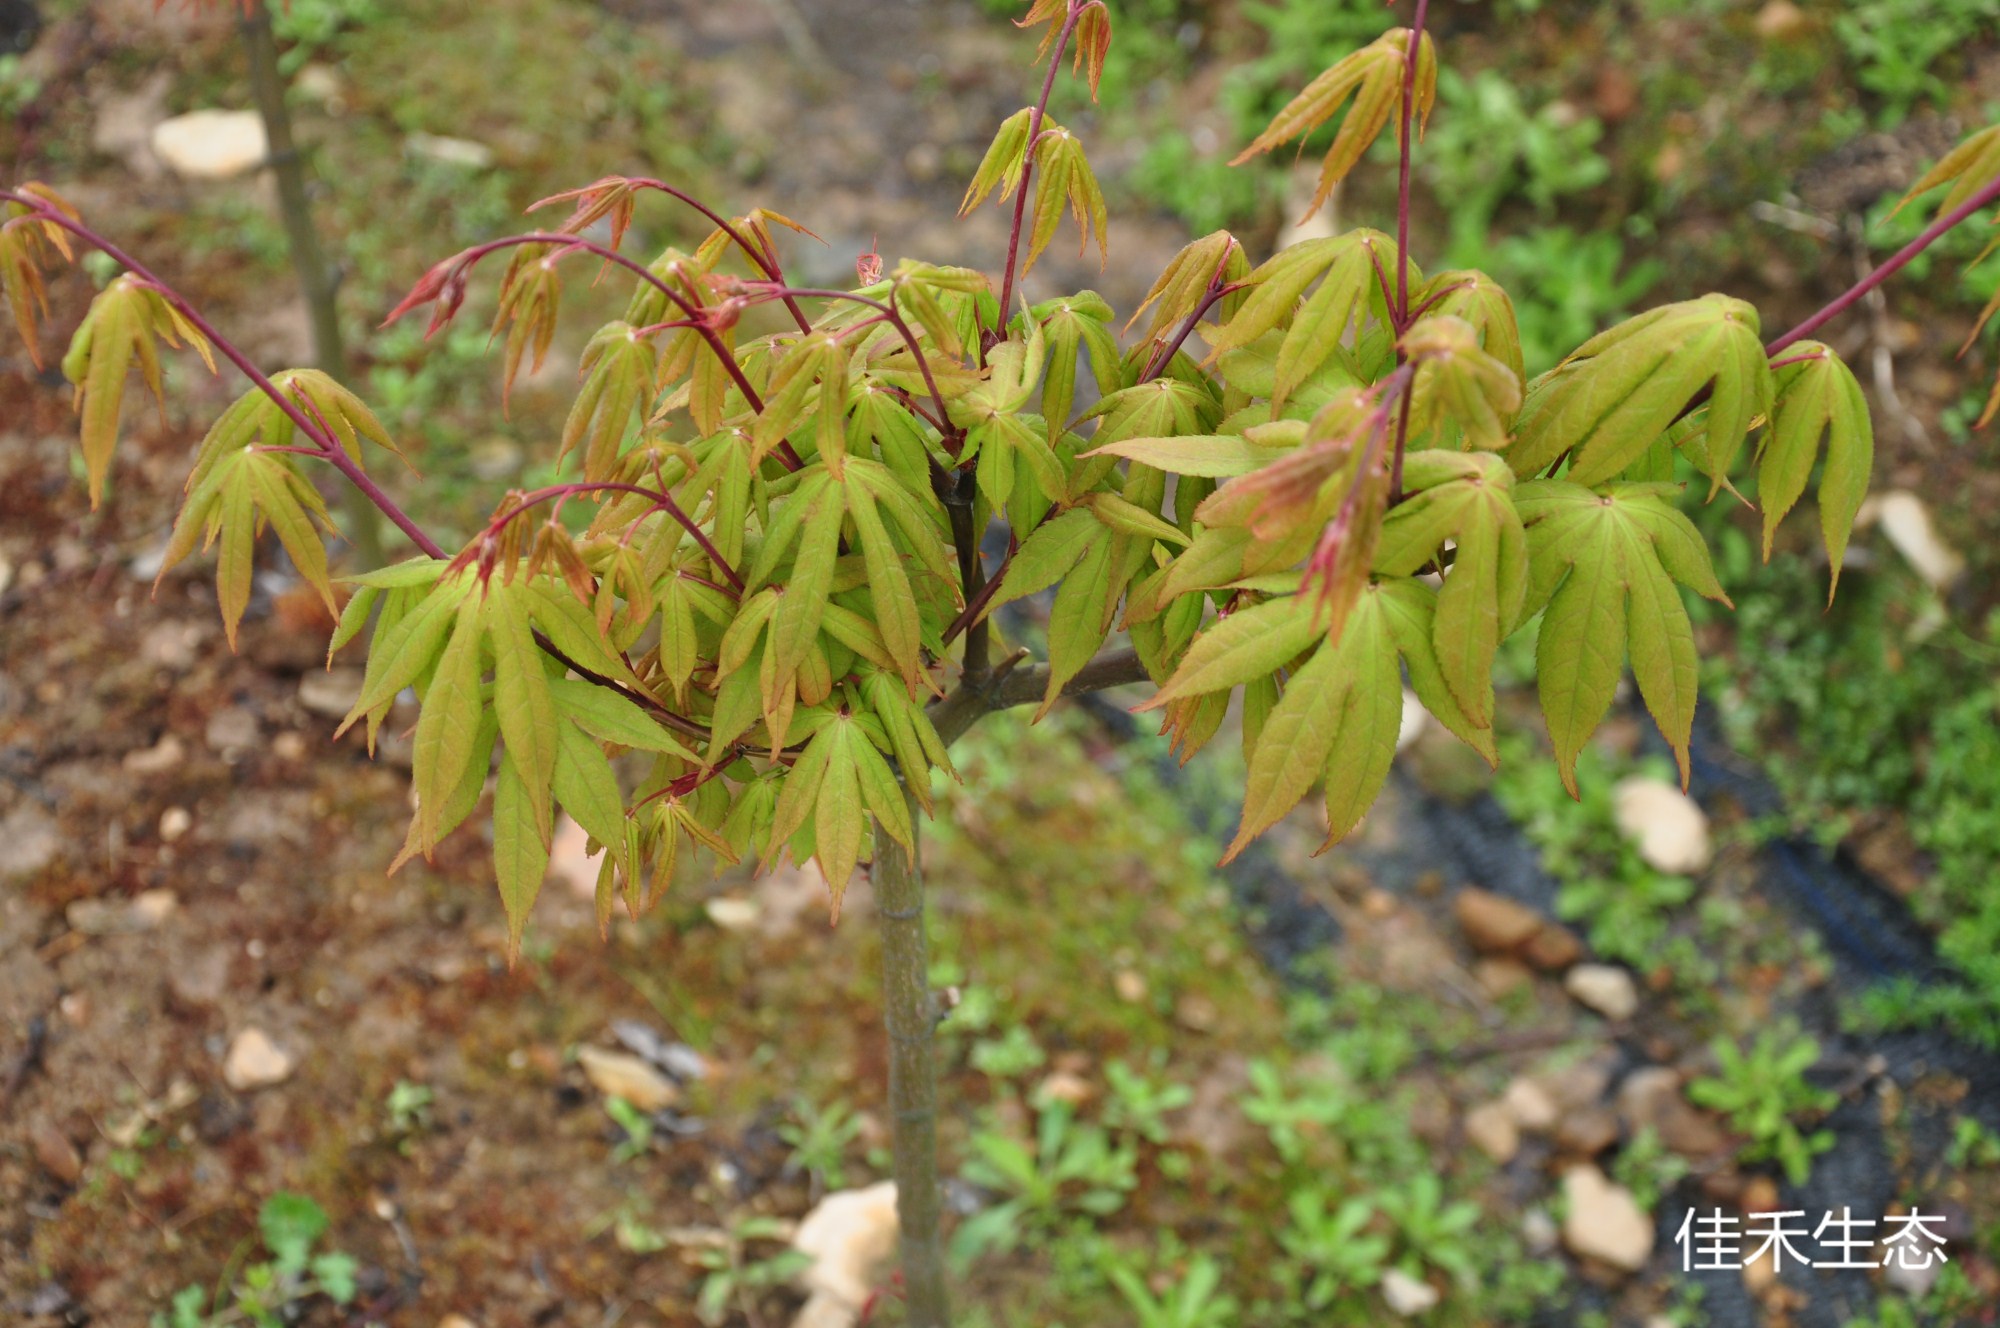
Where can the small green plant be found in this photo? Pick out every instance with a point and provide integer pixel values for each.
(408, 1112)
(1763, 1092)
(1331, 1250)
(271, 1292)
(1972, 1145)
(1902, 49)
(1291, 1120)
(1070, 1168)
(1431, 1231)
(1139, 1101)
(1194, 1299)
(1009, 1056)
(734, 1278)
(819, 1138)
(636, 1125)
(1648, 1168)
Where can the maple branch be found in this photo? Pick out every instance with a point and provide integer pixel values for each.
(766, 261)
(1888, 268)
(662, 501)
(1406, 148)
(1010, 685)
(567, 244)
(41, 211)
(894, 319)
(1217, 290)
(1028, 165)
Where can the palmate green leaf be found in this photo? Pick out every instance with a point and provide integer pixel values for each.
(239, 493)
(521, 697)
(1214, 456)
(1085, 604)
(1048, 553)
(1336, 720)
(1183, 285)
(1604, 563)
(1349, 268)
(618, 367)
(448, 724)
(1071, 324)
(1465, 498)
(1624, 388)
(520, 853)
(1006, 161)
(1817, 399)
(889, 587)
(1247, 644)
(1373, 76)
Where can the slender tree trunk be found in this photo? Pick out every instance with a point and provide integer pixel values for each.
(911, 1016)
(316, 275)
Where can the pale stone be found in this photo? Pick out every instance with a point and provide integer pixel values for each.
(616, 1074)
(254, 1061)
(1502, 977)
(1915, 1281)
(850, 1236)
(1538, 1231)
(1064, 1086)
(331, 693)
(1130, 986)
(1907, 524)
(175, 822)
(161, 757)
(1553, 948)
(1406, 1296)
(1587, 1132)
(1491, 1127)
(1604, 1222)
(152, 907)
(451, 151)
(733, 914)
(230, 730)
(56, 1153)
(1415, 720)
(1779, 20)
(210, 144)
(1604, 988)
(29, 841)
(1669, 829)
(1531, 1106)
(571, 861)
(1494, 923)
(1650, 1099)
(289, 746)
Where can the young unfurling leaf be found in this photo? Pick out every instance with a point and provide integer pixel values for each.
(1064, 180)
(118, 333)
(1817, 398)
(618, 379)
(237, 495)
(1181, 288)
(26, 246)
(1373, 76)
(1458, 383)
(1006, 161)
(1968, 168)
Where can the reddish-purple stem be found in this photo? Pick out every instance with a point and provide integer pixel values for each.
(328, 446)
(661, 500)
(1403, 166)
(766, 262)
(574, 243)
(1853, 295)
(1028, 166)
(895, 320)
